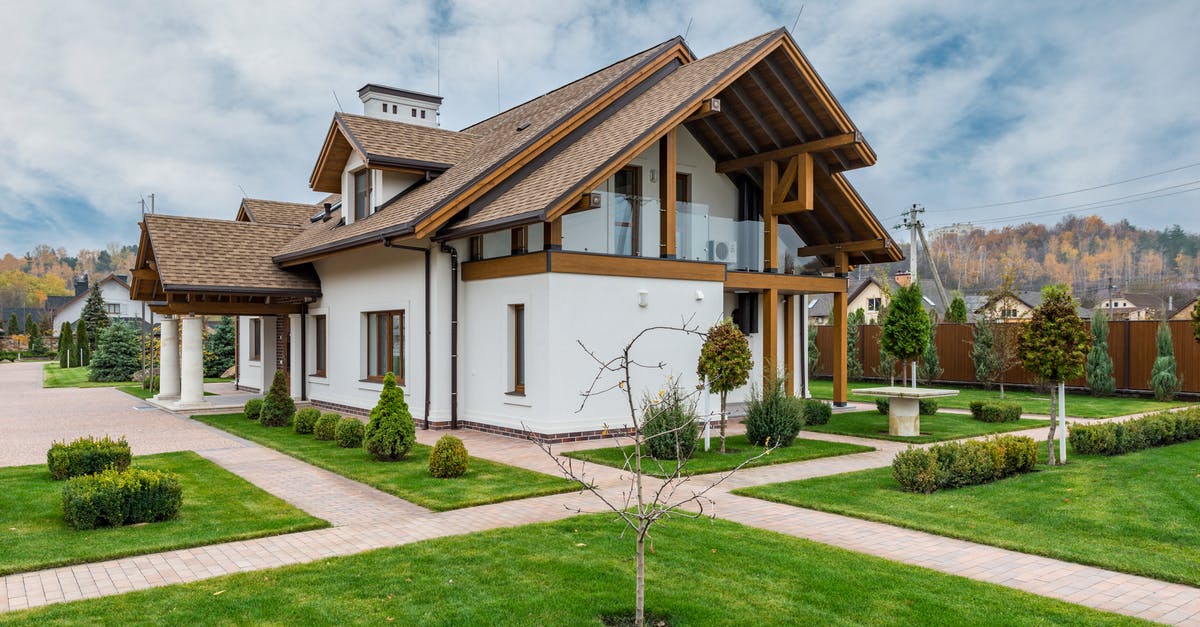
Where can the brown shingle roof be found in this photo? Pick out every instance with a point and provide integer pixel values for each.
(201, 254)
(278, 212)
(407, 142)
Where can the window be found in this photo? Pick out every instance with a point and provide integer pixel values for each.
(395, 109)
(683, 187)
(520, 240)
(319, 345)
(422, 114)
(362, 194)
(1008, 312)
(384, 106)
(385, 345)
(874, 304)
(256, 339)
(113, 308)
(414, 113)
(627, 192)
(518, 349)
(476, 247)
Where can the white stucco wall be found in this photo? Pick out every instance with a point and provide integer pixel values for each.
(253, 373)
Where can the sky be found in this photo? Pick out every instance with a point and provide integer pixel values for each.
(968, 104)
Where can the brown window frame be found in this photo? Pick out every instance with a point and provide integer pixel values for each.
(520, 240)
(683, 187)
(383, 345)
(518, 356)
(365, 207)
(635, 206)
(256, 338)
(476, 247)
(320, 345)
(112, 308)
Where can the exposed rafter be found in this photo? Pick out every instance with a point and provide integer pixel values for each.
(817, 145)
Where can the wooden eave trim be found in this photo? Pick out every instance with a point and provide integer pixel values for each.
(817, 145)
(571, 262)
(818, 85)
(401, 164)
(221, 290)
(336, 126)
(429, 224)
(785, 283)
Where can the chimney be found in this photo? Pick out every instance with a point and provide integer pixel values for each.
(81, 284)
(400, 105)
(903, 278)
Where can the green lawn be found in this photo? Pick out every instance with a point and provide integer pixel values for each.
(738, 449)
(574, 571)
(485, 481)
(55, 377)
(943, 426)
(1135, 513)
(218, 506)
(1078, 405)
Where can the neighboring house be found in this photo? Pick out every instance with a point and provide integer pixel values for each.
(1018, 307)
(870, 296)
(114, 289)
(664, 189)
(1131, 307)
(1185, 312)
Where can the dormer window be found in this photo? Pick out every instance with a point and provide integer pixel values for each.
(362, 194)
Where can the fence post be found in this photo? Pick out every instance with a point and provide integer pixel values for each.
(1128, 353)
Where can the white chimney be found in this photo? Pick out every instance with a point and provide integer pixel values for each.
(400, 105)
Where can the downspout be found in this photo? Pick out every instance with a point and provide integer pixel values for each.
(453, 252)
(428, 323)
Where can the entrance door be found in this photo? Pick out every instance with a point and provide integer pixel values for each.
(627, 195)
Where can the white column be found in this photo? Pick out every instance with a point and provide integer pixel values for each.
(803, 366)
(168, 359)
(191, 386)
(295, 355)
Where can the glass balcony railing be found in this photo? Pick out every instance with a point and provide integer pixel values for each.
(702, 236)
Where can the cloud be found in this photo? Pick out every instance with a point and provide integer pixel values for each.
(966, 104)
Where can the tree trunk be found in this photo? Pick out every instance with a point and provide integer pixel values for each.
(1053, 424)
(723, 423)
(1001, 388)
(639, 618)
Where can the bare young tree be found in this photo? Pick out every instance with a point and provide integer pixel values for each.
(647, 499)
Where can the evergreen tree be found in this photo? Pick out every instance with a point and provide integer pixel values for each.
(219, 348)
(37, 346)
(957, 313)
(278, 408)
(65, 346)
(930, 368)
(725, 363)
(854, 366)
(983, 353)
(83, 347)
(390, 433)
(1099, 368)
(94, 316)
(1054, 347)
(906, 327)
(13, 327)
(1164, 379)
(31, 327)
(117, 355)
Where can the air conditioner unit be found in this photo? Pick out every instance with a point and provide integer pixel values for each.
(723, 251)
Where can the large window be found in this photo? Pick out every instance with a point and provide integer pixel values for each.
(256, 339)
(627, 192)
(319, 345)
(385, 345)
(518, 349)
(874, 304)
(113, 308)
(362, 194)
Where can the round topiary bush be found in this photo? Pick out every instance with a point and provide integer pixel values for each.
(391, 432)
(816, 412)
(253, 408)
(349, 433)
(773, 417)
(927, 407)
(325, 428)
(669, 426)
(278, 407)
(305, 419)
(448, 458)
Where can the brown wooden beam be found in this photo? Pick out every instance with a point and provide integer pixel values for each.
(840, 337)
(817, 145)
(667, 188)
(843, 247)
(232, 309)
(785, 283)
(770, 335)
(789, 342)
(775, 102)
(770, 221)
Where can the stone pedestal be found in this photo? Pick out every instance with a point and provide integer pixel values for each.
(904, 417)
(168, 359)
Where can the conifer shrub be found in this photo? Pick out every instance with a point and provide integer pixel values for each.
(958, 464)
(253, 408)
(977, 409)
(999, 412)
(1099, 366)
(113, 498)
(449, 458)
(391, 432)
(117, 354)
(325, 428)
(773, 417)
(349, 433)
(1164, 378)
(278, 407)
(816, 412)
(925, 407)
(66, 346)
(669, 426)
(305, 420)
(1126, 437)
(87, 455)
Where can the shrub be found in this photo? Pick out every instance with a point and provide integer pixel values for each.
(957, 464)
(253, 408)
(977, 409)
(883, 406)
(449, 457)
(113, 498)
(325, 428)
(816, 412)
(349, 433)
(669, 426)
(1154, 430)
(773, 417)
(390, 432)
(151, 383)
(305, 419)
(87, 456)
(1164, 378)
(926, 407)
(118, 354)
(278, 407)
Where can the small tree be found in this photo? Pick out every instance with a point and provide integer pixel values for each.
(983, 352)
(37, 346)
(1099, 367)
(31, 327)
(854, 366)
(906, 327)
(957, 313)
(219, 348)
(278, 406)
(390, 433)
(1054, 347)
(82, 345)
(1164, 379)
(13, 327)
(724, 363)
(117, 356)
(94, 316)
(930, 368)
(65, 346)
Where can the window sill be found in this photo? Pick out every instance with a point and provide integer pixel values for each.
(515, 393)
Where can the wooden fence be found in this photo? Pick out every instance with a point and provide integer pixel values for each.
(1131, 344)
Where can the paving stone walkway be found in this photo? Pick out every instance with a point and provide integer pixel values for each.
(365, 518)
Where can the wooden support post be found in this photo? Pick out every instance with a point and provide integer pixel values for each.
(840, 328)
(666, 195)
(770, 334)
(552, 235)
(789, 342)
(804, 181)
(770, 220)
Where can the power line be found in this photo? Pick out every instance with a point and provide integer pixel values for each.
(1090, 206)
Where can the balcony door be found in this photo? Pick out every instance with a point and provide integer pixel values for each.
(626, 215)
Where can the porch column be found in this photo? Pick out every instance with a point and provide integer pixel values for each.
(168, 359)
(770, 220)
(295, 356)
(804, 374)
(667, 188)
(770, 334)
(789, 342)
(840, 323)
(191, 384)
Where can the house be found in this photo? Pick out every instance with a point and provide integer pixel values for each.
(662, 190)
(1018, 307)
(1131, 307)
(118, 302)
(872, 296)
(1185, 312)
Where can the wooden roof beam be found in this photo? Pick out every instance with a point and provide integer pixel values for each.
(795, 96)
(740, 96)
(817, 145)
(742, 131)
(761, 84)
(860, 246)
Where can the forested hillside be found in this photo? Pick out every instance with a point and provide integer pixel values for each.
(26, 280)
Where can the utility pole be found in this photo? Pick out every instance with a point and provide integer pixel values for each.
(912, 224)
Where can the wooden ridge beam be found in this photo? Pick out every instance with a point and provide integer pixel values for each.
(817, 145)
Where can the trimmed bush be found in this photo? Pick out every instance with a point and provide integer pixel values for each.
(87, 456)
(926, 407)
(958, 464)
(325, 428)
(253, 408)
(305, 419)
(449, 457)
(816, 412)
(998, 412)
(349, 433)
(669, 426)
(1125, 437)
(773, 417)
(977, 409)
(278, 407)
(391, 432)
(113, 498)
